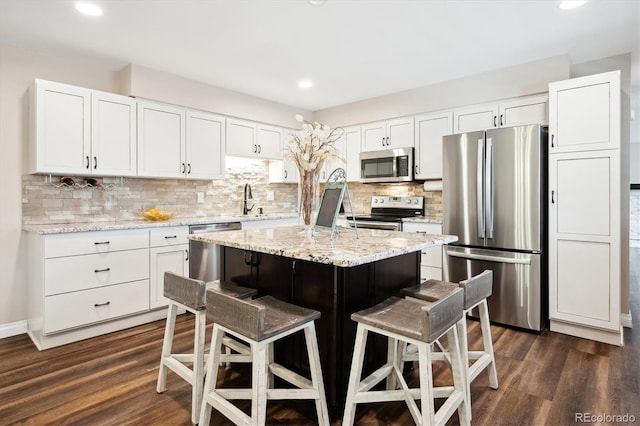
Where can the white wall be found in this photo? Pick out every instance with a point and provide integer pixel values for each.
(18, 69)
(520, 80)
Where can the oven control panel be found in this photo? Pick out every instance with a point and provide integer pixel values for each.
(397, 201)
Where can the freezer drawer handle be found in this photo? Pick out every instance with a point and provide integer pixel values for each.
(489, 258)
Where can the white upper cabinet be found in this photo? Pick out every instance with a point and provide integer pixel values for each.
(161, 140)
(388, 134)
(205, 146)
(269, 141)
(588, 111)
(174, 142)
(80, 131)
(249, 139)
(507, 113)
(430, 128)
(349, 147)
(113, 135)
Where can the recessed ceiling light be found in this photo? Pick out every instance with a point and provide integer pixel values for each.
(89, 9)
(305, 84)
(571, 4)
(317, 2)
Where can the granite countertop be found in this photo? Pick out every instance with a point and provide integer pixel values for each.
(61, 228)
(344, 250)
(422, 219)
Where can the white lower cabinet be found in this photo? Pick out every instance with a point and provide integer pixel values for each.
(87, 283)
(169, 253)
(431, 257)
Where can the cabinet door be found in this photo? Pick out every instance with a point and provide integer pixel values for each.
(400, 133)
(477, 117)
(529, 110)
(269, 142)
(374, 136)
(350, 150)
(161, 141)
(241, 138)
(584, 239)
(431, 257)
(61, 140)
(205, 146)
(430, 128)
(113, 135)
(166, 259)
(584, 113)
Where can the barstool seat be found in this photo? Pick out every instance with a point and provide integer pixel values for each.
(189, 294)
(421, 324)
(476, 291)
(261, 322)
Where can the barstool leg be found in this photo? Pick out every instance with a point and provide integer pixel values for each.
(198, 365)
(487, 343)
(354, 375)
(167, 344)
(461, 327)
(426, 384)
(459, 381)
(316, 373)
(211, 375)
(259, 383)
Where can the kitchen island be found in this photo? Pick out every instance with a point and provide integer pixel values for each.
(336, 277)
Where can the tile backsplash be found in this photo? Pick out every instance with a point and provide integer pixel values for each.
(123, 199)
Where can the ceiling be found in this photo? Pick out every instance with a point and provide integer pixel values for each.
(350, 49)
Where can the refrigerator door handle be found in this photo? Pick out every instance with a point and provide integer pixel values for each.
(498, 259)
(489, 189)
(480, 189)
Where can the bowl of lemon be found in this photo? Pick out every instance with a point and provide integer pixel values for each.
(157, 215)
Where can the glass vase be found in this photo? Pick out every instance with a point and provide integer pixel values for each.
(308, 195)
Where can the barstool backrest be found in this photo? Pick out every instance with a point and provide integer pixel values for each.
(441, 315)
(477, 288)
(187, 291)
(236, 314)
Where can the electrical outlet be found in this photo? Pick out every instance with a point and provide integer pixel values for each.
(200, 197)
(270, 196)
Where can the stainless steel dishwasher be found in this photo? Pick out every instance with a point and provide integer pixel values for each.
(204, 258)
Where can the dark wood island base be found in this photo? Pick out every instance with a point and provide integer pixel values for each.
(336, 292)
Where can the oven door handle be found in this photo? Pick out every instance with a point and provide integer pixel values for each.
(389, 226)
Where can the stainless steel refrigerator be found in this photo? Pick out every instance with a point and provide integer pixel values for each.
(494, 188)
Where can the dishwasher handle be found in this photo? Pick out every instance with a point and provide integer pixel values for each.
(214, 227)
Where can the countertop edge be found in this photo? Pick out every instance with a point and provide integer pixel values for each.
(64, 228)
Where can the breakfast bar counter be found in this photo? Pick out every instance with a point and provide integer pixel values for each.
(335, 277)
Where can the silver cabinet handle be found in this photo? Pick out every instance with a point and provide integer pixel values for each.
(552, 138)
(87, 166)
(102, 304)
(167, 237)
(286, 174)
(95, 163)
(183, 168)
(188, 168)
(97, 243)
(495, 124)
(186, 253)
(102, 270)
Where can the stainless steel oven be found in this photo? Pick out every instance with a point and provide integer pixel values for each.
(387, 212)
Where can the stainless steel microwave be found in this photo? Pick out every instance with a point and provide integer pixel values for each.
(388, 165)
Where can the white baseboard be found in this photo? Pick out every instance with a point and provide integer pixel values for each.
(626, 320)
(13, 329)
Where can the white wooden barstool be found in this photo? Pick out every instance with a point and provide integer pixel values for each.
(476, 291)
(260, 322)
(421, 324)
(189, 294)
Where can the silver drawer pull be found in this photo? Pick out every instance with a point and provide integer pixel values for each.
(170, 236)
(101, 304)
(102, 270)
(101, 242)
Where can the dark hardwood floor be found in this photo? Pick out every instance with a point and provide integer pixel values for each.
(110, 380)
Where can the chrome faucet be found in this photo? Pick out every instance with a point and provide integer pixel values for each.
(247, 196)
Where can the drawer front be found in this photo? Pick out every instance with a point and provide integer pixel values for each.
(73, 273)
(429, 273)
(170, 236)
(76, 243)
(81, 308)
